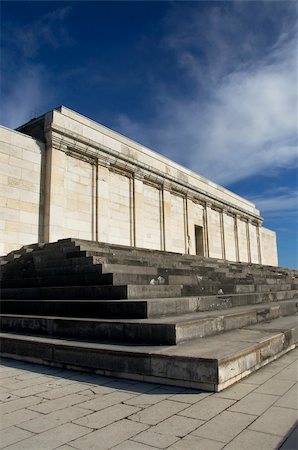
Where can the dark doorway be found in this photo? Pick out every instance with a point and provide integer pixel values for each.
(199, 236)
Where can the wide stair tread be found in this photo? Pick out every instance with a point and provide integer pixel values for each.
(169, 330)
(139, 307)
(212, 363)
(186, 320)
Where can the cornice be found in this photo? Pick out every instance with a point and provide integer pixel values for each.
(77, 146)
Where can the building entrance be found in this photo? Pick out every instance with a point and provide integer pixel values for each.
(199, 237)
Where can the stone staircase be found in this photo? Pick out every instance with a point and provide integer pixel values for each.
(144, 314)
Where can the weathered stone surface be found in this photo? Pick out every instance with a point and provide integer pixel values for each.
(27, 429)
(60, 307)
(74, 177)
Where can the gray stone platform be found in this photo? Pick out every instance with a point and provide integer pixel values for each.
(45, 408)
(145, 315)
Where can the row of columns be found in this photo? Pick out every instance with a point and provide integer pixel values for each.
(207, 208)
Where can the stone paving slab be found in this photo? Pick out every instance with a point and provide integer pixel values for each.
(225, 426)
(46, 408)
(290, 399)
(156, 440)
(254, 403)
(275, 421)
(248, 440)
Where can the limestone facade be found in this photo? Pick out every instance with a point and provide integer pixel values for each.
(21, 169)
(63, 175)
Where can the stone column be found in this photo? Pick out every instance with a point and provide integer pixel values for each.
(132, 211)
(103, 195)
(248, 241)
(244, 254)
(259, 244)
(95, 201)
(138, 211)
(55, 202)
(167, 219)
(162, 220)
(236, 238)
(206, 234)
(47, 194)
(222, 229)
(186, 226)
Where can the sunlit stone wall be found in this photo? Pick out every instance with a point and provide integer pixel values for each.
(268, 247)
(89, 182)
(21, 190)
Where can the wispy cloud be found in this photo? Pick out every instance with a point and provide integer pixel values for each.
(278, 203)
(241, 118)
(48, 30)
(27, 87)
(27, 97)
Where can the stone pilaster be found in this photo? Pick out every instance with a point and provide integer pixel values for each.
(132, 212)
(162, 220)
(95, 196)
(236, 237)
(248, 241)
(138, 211)
(186, 225)
(222, 230)
(167, 218)
(206, 228)
(259, 244)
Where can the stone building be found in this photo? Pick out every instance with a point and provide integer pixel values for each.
(63, 175)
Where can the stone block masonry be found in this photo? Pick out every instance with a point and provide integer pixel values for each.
(134, 415)
(63, 175)
(21, 190)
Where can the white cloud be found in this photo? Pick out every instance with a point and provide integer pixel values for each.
(278, 203)
(241, 123)
(250, 124)
(27, 97)
(48, 30)
(27, 88)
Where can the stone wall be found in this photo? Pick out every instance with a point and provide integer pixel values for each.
(268, 247)
(69, 199)
(150, 216)
(230, 237)
(92, 183)
(214, 233)
(21, 190)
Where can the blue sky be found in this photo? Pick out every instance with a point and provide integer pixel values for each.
(212, 85)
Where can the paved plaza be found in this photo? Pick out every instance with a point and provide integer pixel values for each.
(47, 408)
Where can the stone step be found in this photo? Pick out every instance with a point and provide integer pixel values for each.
(212, 363)
(118, 249)
(94, 248)
(80, 274)
(161, 331)
(157, 259)
(44, 259)
(221, 302)
(26, 266)
(137, 308)
(75, 265)
(243, 288)
(41, 254)
(85, 268)
(82, 279)
(192, 284)
(115, 291)
(106, 248)
(118, 278)
(92, 292)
